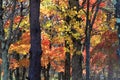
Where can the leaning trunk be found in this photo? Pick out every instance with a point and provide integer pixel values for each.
(35, 33)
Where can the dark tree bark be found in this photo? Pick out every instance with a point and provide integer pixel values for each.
(23, 74)
(77, 59)
(35, 34)
(17, 56)
(77, 56)
(77, 67)
(61, 76)
(67, 62)
(11, 74)
(47, 71)
(89, 25)
(87, 42)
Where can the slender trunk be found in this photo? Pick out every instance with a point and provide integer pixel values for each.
(44, 73)
(89, 25)
(17, 70)
(11, 75)
(17, 74)
(87, 42)
(5, 63)
(23, 74)
(61, 76)
(4, 46)
(35, 34)
(1, 23)
(67, 63)
(88, 58)
(24, 70)
(47, 71)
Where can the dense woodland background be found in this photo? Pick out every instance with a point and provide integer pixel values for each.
(59, 40)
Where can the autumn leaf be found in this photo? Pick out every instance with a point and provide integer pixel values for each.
(24, 62)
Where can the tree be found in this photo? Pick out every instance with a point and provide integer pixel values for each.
(35, 34)
(10, 34)
(1, 29)
(108, 46)
(72, 24)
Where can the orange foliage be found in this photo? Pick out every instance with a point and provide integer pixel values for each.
(23, 45)
(17, 19)
(7, 24)
(62, 3)
(105, 50)
(22, 0)
(24, 62)
(102, 4)
(98, 58)
(55, 55)
(13, 64)
(21, 63)
(108, 44)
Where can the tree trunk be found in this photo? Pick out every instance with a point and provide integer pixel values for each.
(35, 34)
(67, 63)
(1, 22)
(1, 33)
(47, 71)
(17, 56)
(77, 67)
(87, 42)
(44, 72)
(11, 74)
(61, 76)
(23, 74)
(77, 59)
(67, 66)
(5, 64)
